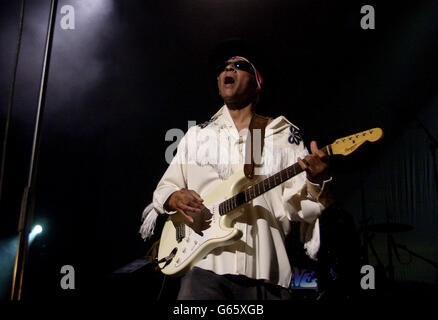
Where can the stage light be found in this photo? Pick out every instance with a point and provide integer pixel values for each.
(35, 231)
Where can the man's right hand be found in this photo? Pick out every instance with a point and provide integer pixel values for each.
(189, 207)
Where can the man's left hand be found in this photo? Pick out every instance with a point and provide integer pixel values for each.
(316, 165)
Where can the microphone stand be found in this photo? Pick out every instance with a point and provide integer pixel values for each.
(27, 204)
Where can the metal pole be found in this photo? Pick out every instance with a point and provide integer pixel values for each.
(26, 211)
(11, 97)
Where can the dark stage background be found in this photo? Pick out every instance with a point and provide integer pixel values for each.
(132, 70)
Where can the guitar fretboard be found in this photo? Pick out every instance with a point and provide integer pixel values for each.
(261, 187)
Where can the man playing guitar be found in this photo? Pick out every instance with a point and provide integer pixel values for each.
(256, 266)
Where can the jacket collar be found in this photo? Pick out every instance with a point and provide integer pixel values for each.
(278, 124)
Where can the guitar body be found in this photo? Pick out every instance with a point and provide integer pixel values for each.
(189, 247)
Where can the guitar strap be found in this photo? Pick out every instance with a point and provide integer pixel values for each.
(257, 122)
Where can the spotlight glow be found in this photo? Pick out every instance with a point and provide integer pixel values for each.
(35, 231)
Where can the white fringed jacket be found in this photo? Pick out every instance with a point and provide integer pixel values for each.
(210, 153)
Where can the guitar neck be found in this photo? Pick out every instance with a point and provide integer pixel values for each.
(343, 146)
(263, 186)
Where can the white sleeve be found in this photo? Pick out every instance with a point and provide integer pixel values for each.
(303, 202)
(174, 179)
(301, 197)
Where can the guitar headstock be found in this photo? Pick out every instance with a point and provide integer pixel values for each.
(349, 144)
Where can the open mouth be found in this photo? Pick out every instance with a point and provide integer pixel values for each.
(228, 80)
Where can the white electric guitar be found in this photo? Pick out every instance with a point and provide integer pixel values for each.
(181, 247)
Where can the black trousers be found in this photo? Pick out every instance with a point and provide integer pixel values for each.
(200, 284)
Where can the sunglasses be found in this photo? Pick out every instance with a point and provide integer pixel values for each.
(239, 65)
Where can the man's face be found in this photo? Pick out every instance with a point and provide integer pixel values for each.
(237, 87)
